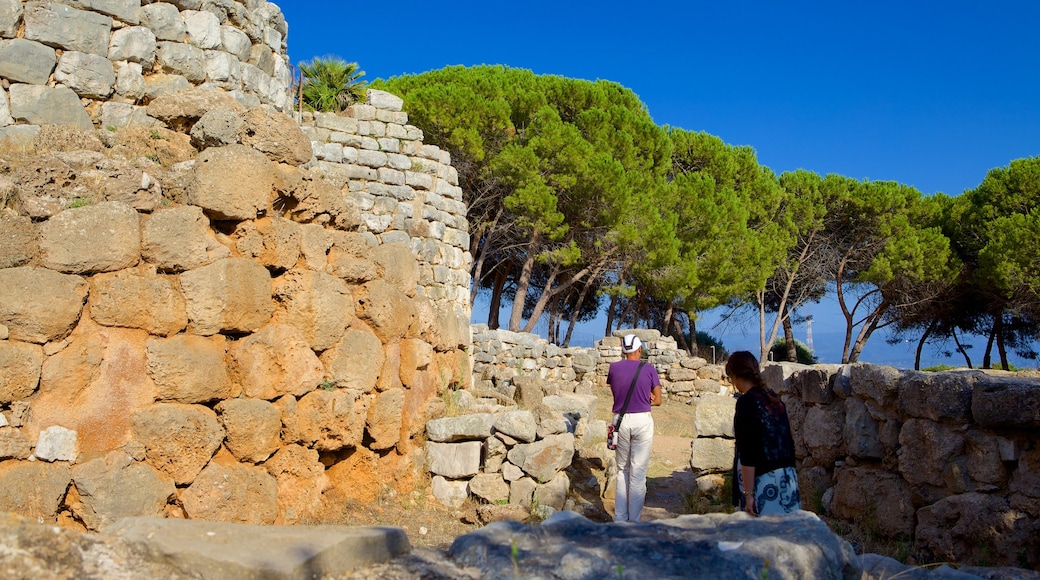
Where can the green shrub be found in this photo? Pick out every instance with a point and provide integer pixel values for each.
(805, 356)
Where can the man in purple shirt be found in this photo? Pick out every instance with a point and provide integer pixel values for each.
(636, 433)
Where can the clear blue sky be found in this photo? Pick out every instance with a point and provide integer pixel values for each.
(931, 94)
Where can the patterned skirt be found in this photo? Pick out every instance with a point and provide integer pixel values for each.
(776, 492)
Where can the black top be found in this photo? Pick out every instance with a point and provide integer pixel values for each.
(763, 432)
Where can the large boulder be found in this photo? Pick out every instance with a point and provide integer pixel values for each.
(40, 305)
(276, 135)
(232, 493)
(330, 420)
(178, 239)
(112, 487)
(253, 427)
(190, 369)
(320, 305)
(275, 361)
(355, 361)
(233, 294)
(20, 366)
(138, 298)
(33, 489)
(543, 459)
(179, 440)
(232, 183)
(301, 481)
(94, 238)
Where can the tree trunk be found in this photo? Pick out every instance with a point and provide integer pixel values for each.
(960, 347)
(681, 334)
(1001, 348)
(694, 347)
(497, 288)
(610, 315)
(986, 356)
(920, 345)
(792, 350)
(868, 328)
(523, 283)
(577, 310)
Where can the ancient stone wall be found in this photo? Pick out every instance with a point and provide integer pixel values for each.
(88, 62)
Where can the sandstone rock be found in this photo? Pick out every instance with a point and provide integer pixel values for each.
(355, 361)
(233, 294)
(301, 482)
(232, 493)
(519, 425)
(138, 298)
(252, 426)
(95, 238)
(182, 108)
(33, 489)
(543, 459)
(416, 356)
(276, 135)
(448, 492)
(26, 61)
(397, 266)
(350, 256)
(476, 426)
(216, 128)
(275, 361)
(232, 183)
(713, 415)
(190, 369)
(711, 454)
(178, 239)
(20, 366)
(858, 494)
(489, 487)
(823, 439)
(114, 487)
(13, 444)
(453, 460)
(521, 491)
(386, 309)
(314, 245)
(56, 443)
(17, 239)
(384, 419)
(320, 305)
(332, 420)
(93, 385)
(274, 242)
(179, 440)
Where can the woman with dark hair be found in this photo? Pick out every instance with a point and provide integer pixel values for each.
(764, 478)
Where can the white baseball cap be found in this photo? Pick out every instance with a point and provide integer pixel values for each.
(630, 343)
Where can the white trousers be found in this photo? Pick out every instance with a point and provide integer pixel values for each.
(635, 439)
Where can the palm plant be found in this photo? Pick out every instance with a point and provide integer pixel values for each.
(331, 84)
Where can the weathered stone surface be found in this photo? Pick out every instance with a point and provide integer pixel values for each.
(974, 527)
(134, 44)
(164, 20)
(66, 28)
(384, 419)
(824, 435)
(931, 460)
(179, 440)
(181, 59)
(489, 487)
(190, 369)
(301, 482)
(178, 239)
(416, 358)
(543, 459)
(708, 546)
(330, 420)
(398, 266)
(203, 28)
(475, 426)
(711, 454)
(43, 105)
(25, 61)
(33, 489)
(320, 305)
(274, 242)
(386, 309)
(96, 238)
(89, 75)
(216, 128)
(521, 491)
(138, 298)
(20, 366)
(232, 493)
(554, 493)
(17, 237)
(180, 109)
(1000, 401)
(453, 460)
(10, 17)
(275, 361)
(861, 433)
(56, 443)
(233, 294)
(114, 487)
(232, 183)
(519, 425)
(815, 384)
(276, 135)
(937, 396)
(252, 426)
(549, 421)
(863, 493)
(355, 361)
(877, 383)
(713, 415)
(13, 444)
(448, 492)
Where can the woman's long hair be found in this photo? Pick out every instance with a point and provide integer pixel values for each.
(744, 365)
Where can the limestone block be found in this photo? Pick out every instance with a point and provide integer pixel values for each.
(160, 84)
(384, 419)
(134, 44)
(931, 459)
(449, 493)
(41, 105)
(374, 159)
(182, 108)
(164, 20)
(232, 183)
(937, 396)
(861, 433)
(355, 361)
(179, 440)
(389, 312)
(223, 70)
(25, 61)
(301, 481)
(234, 493)
(13, 444)
(543, 459)
(66, 28)
(397, 265)
(314, 244)
(33, 489)
(1002, 401)
(181, 59)
(416, 356)
(519, 425)
(126, 10)
(494, 454)
(857, 494)
(276, 135)
(216, 128)
(713, 415)
(554, 494)
(332, 420)
(190, 369)
(272, 241)
(984, 464)
(944, 528)
(232, 294)
(318, 304)
(711, 454)
(878, 383)
(475, 426)
(113, 487)
(130, 85)
(511, 472)
(40, 305)
(138, 298)
(203, 28)
(10, 17)
(489, 487)
(453, 460)
(521, 491)
(263, 58)
(20, 366)
(178, 239)
(824, 437)
(7, 186)
(235, 42)
(275, 361)
(549, 421)
(96, 238)
(336, 122)
(56, 443)
(252, 426)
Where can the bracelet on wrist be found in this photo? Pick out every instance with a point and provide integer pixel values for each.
(748, 493)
